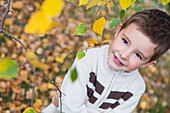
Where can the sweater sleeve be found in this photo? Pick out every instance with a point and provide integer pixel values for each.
(75, 92)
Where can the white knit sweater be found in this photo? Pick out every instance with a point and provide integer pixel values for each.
(98, 88)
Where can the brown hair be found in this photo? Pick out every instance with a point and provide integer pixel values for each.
(156, 25)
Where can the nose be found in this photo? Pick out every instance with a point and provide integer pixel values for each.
(124, 54)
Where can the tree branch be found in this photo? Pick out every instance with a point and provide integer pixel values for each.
(117, 10)
(15, 39)
(23, 64)
(5, 15)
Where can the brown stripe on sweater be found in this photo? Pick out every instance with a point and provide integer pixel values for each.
(92, 99)
(116, 95)
(115, 105)
(126, 96)
(99, 88)
(105, 105)
(92, 78)
(89, 91)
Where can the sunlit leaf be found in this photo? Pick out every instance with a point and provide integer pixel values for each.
(122, 14)
(99, 26)
(8, 68)
(92, 3)
(52, 7)
(114, 23)
(80, 30)
(73, 74)
(33, 58)
(68, 0)
(80, 54)
(29, 110)
(110, 2)
(106, 41)
(165, 2)
(39, 23)
(92, 42)
(126, 3)
(82, 2)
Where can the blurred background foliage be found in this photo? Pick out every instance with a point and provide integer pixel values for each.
(58, 48)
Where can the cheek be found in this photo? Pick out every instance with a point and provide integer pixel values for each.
(115, 45)
(134, 64)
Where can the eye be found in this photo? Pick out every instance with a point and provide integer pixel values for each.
(138, 55)
(125, 41)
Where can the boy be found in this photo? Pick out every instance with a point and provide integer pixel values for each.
(108, 78)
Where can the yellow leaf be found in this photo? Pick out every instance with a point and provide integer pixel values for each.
(92, 42)
(29, 110)
(52, 7)
(126, 3)
(82, 2)
(165, 2)
(110, 2)
(35, 61)
(105, 41)
(99, 26)
(39, 23)
(92, 3)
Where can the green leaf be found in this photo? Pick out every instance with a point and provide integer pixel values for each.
(122, 14)
(81, 29)
(74, 74)
(8, 68)
(68, 0)
(80, 54)
(114, 23)
(29, 110)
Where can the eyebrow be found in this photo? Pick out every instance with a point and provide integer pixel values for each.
(138, 50)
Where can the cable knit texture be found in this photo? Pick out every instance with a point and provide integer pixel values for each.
(98, 88)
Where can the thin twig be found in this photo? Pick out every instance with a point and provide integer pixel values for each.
(33, 83)
(5, 15)
(117, 10)
(94, 17)
(23, 64)
(15, 39)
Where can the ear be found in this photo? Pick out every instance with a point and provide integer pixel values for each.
(117, 30)
(148, 64)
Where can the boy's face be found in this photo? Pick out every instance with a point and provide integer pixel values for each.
(130, 49)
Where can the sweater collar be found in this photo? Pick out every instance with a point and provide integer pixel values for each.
(105, 68)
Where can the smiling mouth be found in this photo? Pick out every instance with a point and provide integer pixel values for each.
(117, 61)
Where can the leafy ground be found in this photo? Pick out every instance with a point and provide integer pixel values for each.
(58, 48)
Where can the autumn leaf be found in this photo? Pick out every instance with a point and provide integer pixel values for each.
(29, 110)
(35, 61)
(80, 54)
(80, 30)
(165, 2)
(110, 2)
(52, 7)
(82, 2)
(73, 74)
(92, 3)
(92, 42)
(8, 68)
(99, 26)
(39, 23)
(126, 3)
(106, 41)
(114, 23)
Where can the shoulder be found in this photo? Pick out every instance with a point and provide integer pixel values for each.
(138, 84)
(93, 54)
